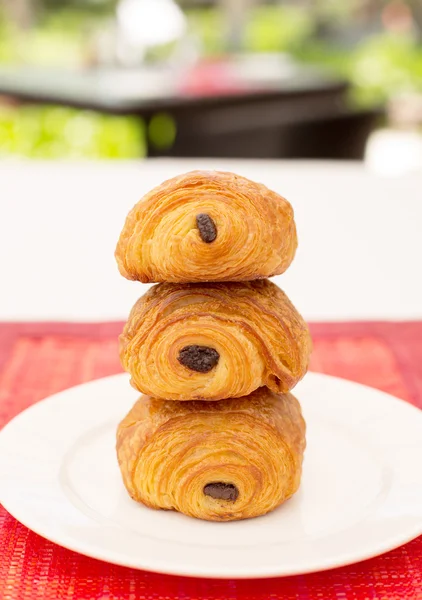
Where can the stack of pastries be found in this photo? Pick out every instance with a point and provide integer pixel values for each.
(215, 349)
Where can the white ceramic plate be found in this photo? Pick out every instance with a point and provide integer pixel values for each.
(361, 493)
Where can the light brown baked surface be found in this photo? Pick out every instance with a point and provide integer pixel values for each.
(169, 451)
(260, 337)
(160, 241)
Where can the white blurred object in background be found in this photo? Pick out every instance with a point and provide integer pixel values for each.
(391, 152)
(398, 150)
(143, 24)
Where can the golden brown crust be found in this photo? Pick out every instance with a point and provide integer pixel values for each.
(169, 451)
(259, 335)
(160, 241)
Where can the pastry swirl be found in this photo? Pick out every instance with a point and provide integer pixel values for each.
(212, 341)
(217, 461)
(207, 226)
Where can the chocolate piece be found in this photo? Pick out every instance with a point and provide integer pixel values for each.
(207, 228)
(198, 358)
(222, 491)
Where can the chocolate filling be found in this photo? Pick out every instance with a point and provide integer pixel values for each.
(207, 228)
(222, 491)
(198, 358)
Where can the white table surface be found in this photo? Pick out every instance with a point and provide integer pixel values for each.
(360, 237)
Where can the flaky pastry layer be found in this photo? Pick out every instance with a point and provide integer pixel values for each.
(252, 230)
(171, 454)
(259, 336)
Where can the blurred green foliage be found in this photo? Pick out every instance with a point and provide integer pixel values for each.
(59, 38)
(48, 132)
(378, 67)
(269, 29)
(162, 131)
(278, 29)
(96, 6)
(53, 132)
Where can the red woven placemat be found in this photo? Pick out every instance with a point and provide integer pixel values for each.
(39, 359)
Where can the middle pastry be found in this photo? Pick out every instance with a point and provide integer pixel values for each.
(212, 341)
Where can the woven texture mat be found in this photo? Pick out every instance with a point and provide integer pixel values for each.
(37, 360)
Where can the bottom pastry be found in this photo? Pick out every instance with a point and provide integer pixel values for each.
(219, 461)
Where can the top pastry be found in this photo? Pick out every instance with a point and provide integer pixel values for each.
(207, 226)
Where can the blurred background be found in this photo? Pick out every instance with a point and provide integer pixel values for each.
(119, 79)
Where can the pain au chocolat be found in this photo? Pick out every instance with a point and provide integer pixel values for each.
(218, 461)
(207, 226)
(212, 341)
